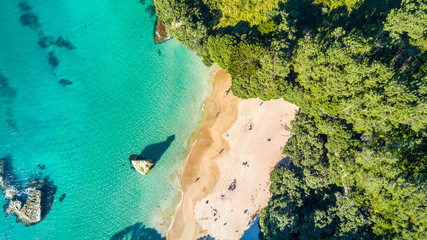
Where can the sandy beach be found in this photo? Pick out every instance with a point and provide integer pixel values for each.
(226, 177)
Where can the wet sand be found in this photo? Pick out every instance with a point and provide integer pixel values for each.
(220, 112)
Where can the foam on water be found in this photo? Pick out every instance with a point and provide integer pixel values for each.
(125, 97)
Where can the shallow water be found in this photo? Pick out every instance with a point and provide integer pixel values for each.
(126, 97)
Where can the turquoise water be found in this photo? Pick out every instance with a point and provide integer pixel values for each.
(125, 97)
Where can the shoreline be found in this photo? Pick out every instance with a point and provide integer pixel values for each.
(204, 147)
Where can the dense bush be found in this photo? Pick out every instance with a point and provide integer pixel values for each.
(358, 70)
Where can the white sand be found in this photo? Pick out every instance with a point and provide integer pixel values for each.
(224, 218)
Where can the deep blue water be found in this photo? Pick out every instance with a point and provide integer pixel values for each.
(125, 98)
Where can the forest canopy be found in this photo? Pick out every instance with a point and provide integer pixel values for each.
(358, 70)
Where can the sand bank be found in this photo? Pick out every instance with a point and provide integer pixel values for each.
(241, 140)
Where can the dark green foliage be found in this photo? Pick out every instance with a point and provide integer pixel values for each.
(409, 23)
(358, 70)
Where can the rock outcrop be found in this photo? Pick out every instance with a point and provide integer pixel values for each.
(161, 32)
(29, 205)
(26, 206)
(140, 164)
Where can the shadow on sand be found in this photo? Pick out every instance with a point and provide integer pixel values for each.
(207, 237)
(156, 150)
(137, 232)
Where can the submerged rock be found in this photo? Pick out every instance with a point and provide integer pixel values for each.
(53, 61)
(29, 20)
(45, 41)
(4, 82)
(62, 197)
(24, 6)
(62, 42)
(140, 164)
(65, 82)
(151, 10)
(161, 32)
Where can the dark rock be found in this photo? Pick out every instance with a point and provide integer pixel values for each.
(45, 41)
(142, 2)
(62, 197)
(53, 61)
(24, 6)
(61, 42)
(65, 82)
(29, 20)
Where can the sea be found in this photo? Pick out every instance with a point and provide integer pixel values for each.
(82, 87)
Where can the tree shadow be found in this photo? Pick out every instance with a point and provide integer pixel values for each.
(286, 161)
(138, 231)
(155, 151)
(207, 237)
(252, 233)
(368, 13)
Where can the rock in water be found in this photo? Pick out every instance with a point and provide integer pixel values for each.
(140, 164)
(31, 204)
(161, 32)
(27, 206)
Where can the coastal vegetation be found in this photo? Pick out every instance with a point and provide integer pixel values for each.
(358, 70)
